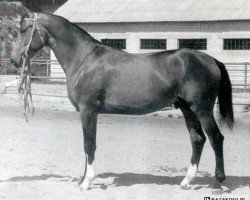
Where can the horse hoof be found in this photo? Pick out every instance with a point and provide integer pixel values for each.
(185, 185)
(217, 191)
(85, 186)
(217, 185)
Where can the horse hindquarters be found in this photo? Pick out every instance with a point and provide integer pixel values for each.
(206, 117)
(206, 81)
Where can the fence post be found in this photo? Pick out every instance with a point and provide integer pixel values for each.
(47, 63)
(5, 68)
(245, 80)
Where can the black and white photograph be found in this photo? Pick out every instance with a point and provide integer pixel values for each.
(124, 100)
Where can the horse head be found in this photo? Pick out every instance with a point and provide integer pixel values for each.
(28, 40)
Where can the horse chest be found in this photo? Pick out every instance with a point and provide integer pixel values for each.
(84, 92)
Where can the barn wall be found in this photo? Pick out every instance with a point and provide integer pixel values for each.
(214, 32)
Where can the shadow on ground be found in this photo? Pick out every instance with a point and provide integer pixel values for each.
(42, 177)
(129, 179)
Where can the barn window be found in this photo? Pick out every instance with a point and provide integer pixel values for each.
(236, 44)
(153, 43)
(116, 43)
(198, 44)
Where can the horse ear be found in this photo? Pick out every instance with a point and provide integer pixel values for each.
(26, 12)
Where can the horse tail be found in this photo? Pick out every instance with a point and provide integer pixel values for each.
(225, 97)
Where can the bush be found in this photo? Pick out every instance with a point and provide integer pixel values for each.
(9, 23)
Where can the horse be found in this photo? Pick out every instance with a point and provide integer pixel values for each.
(103, 79)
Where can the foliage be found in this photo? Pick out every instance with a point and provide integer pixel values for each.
(39, 5)
(9, 25)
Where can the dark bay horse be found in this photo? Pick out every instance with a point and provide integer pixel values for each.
(101, 79)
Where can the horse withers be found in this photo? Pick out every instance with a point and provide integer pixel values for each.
(102, 79)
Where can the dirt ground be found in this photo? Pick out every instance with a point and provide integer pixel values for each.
(137, 157)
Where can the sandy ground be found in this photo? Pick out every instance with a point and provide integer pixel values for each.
(137, 157)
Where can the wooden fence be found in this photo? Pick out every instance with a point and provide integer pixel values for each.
(239, 72)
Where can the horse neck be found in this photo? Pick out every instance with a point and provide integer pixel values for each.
(70, 42)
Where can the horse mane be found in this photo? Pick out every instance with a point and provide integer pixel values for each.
(85, 35)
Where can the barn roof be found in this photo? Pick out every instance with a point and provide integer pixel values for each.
(105, 11)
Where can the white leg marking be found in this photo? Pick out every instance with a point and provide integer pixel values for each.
(90, 175)
(90, 171)
(185, 184)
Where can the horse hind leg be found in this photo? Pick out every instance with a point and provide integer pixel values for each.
(216, 140)
(197, 138)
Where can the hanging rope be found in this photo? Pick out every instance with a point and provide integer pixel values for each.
(25, 92)
(25, 86)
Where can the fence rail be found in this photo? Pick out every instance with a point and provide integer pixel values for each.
(46, 76)
(239, 72)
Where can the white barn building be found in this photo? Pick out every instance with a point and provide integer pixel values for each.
(220, 28)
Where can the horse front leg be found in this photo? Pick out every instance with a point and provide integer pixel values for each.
(89, 123)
